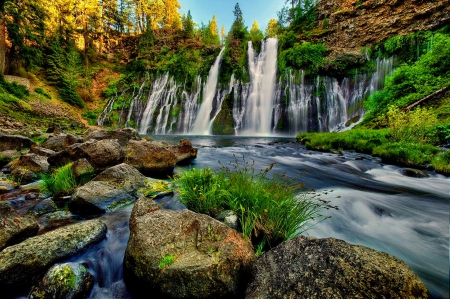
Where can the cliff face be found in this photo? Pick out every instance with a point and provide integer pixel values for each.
(353, 24)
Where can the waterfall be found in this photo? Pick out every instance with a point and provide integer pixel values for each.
(190, 108)
(202, 122)
(259, 105)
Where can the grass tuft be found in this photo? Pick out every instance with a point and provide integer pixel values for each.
(270, 210)
(61, 181)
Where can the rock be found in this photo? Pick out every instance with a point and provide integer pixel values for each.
(82, 168)
(122, 135)
(15, 228)
(100, 154)
(414, 173)
(330, 268)
(21, 262)
(14, 142)
(184, 151)
(25, 168)
(182, 254)
(150, 158)
(114, 187)
(41, 151)
(8, 156)
(69, 281)
(6, 185)
(43, 207)
(229, 218)
(60, 142)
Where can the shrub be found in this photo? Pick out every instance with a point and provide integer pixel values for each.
(307, 56)
(269, 210)
(41, 91)
(441, 163)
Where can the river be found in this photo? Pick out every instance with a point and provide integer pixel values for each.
(378, 207)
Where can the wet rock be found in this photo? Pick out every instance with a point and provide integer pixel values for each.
(114, 187)
(15, 228)
(6, 185)
(100, 154)
(329, 268)
(43, 207)
(69, 281)
(22, 262)
(14, 142)
(182, 254)
(60, 142)
(184, 151)
(122, 135)
(413, 173)
(41, 151)
(150, 158)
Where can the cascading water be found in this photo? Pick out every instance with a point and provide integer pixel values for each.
(259, 105)
(202, 121)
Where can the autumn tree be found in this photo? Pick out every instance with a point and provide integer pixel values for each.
(256, 34)
(171, 16)
(272, 28)
(222, 34)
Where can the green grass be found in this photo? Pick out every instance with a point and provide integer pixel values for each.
(270, 210)
(379, 143)
(61, 181)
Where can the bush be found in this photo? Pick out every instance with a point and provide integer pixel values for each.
(306, 56)
(442, 163)
(270, 211)
(41, 91)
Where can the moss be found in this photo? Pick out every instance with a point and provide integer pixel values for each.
(223, 124)
(119, 204)
(154, 188)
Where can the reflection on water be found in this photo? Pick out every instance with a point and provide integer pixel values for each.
(378, 207)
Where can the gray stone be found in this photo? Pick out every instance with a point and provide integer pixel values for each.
(41, 151)
(60, 141)
(43, 207)
(68, 281)
(210, 260)
(14, 142)
(100, 154)
(21, 262)
(15, 228)
(122, 135)
(330, 268)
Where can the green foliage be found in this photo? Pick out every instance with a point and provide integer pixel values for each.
(410, 83)
(269, 210)
(188, 25)
(223, 123)
(166, 261)
(307, 56)
(304, 15)
(61, 181)
(411, 126)
(13, 88)
(441, 163)
(41, 91)
(62, 70)
(406, 153)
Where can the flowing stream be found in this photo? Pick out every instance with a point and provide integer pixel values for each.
(378, 207)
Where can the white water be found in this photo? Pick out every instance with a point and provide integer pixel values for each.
(202, 122)
(259, 105)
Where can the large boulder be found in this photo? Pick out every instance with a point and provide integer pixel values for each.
(150, 158)
(184, 151)
(122, 135)
(330, 268)
(15, 228)
(68, 281)
(27, 166)
(41, 151)
(100, 154)
(182, 254)
(60, 141)
(22, 262)
(14, 142)
(114, 187)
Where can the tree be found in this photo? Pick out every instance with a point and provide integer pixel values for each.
(213, 31)
(223, 33)
(272, 28)
(256, 34)
(171, 16)
(188, 25)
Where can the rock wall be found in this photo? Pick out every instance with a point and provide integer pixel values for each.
(353, 24)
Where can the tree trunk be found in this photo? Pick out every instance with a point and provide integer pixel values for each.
(2, 45)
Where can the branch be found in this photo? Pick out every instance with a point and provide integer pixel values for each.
(428, 97)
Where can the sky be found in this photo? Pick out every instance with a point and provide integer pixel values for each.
(260, 10)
